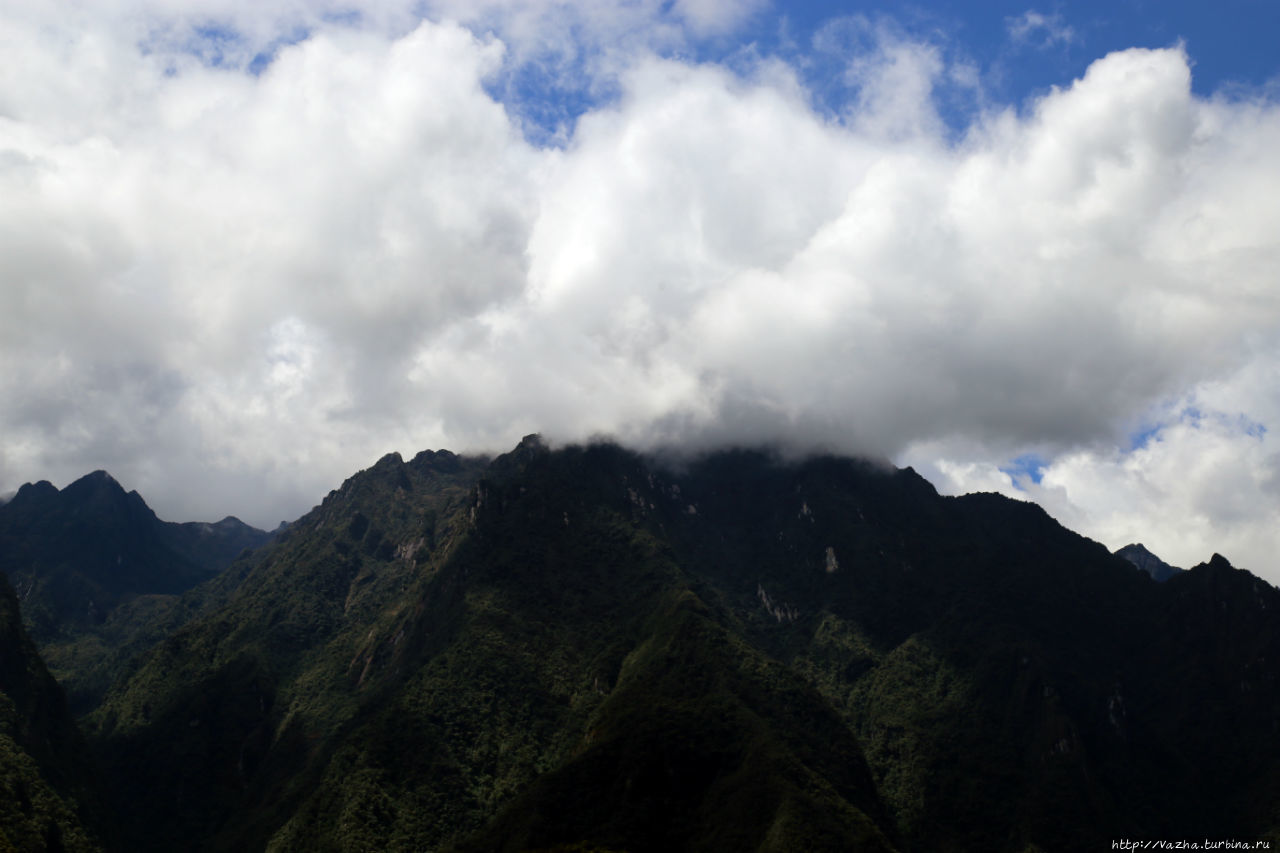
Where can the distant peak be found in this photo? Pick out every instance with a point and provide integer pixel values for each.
(1139, 555)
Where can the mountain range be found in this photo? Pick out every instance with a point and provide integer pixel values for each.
(589, 649)
(91, 564)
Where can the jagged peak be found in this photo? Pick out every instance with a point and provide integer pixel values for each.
(912, 476)
(438, 460)
(1218, 566)
(390, 460)
(530, 447)
(34, 491)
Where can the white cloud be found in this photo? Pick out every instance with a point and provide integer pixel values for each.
(1206, 480)
(259, 283)
(1039, 30)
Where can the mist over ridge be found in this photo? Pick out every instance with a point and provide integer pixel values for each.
(247, 258)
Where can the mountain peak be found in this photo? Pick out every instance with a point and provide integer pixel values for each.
(1217, 561)
(390, 460)
(31, 493)
(97, 482)
(82, 551)
(1139, 555)
(729, 648)
(99, 479)
(531, 447)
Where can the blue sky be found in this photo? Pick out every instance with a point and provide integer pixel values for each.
(1231, 42)
(1018, 50)
(1025, 248)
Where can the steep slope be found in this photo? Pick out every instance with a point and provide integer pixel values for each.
(94, 567)
(236, 713)
(1209, 725)
(581, 649)
(426, 644)
(1011, 682)
(584, 674)
(47, 791)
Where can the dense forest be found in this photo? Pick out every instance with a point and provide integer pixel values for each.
(588, 649)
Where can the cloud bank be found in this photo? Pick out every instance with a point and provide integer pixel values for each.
(246, 253)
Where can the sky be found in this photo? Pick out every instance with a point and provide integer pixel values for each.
(246, 249)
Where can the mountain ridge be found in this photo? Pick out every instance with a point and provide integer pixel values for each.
(90, 559)
(582, 648)
(863, 582)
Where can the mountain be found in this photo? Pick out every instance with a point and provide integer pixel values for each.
(48, 791)
(1148, 562)
(583, 649)
(92, 564)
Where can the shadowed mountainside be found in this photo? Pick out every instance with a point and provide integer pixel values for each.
(49, 793)
(581, 650)
(96, 571)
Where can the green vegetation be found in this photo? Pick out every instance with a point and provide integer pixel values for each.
(581, 650)
(48, 792)
(100, 576)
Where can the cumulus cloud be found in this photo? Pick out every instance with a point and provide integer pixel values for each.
(234, 280)
(1201, 476)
